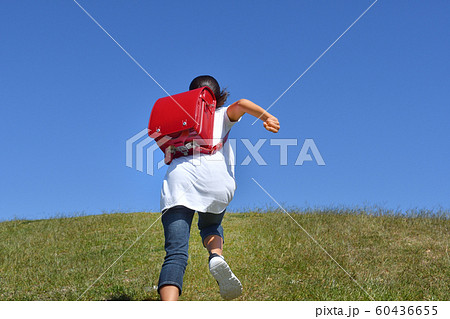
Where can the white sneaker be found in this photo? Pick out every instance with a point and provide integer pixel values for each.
(230, 287)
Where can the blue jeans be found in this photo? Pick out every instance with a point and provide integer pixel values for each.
(177, 222)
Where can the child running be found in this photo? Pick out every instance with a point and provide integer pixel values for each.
(204, 185)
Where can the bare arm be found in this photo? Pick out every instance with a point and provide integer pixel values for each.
(242, 106)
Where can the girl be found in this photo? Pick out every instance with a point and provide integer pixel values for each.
(206, 188)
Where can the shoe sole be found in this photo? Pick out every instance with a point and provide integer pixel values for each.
(229, 285)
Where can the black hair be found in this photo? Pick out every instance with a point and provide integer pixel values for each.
(209, 81)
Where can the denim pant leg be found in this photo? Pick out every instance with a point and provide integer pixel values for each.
(210, 224)
(177, 225)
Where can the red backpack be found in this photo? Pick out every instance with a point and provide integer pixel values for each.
(184, 123)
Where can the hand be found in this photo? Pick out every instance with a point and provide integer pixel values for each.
(272, 124)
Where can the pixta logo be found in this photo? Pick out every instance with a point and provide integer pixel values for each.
(136, 145)
(140, 149)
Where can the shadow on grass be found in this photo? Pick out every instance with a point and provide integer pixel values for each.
(120, 297)
(121, 293)
(125, 297)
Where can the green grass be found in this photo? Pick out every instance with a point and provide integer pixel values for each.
(391, 257)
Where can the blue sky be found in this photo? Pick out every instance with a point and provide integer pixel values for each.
(376, 104)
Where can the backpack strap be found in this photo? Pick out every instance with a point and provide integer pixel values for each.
(188, 149)
(216, 147)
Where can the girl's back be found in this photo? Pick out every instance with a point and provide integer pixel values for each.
(203, 182)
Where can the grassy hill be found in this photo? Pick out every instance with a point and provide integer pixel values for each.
(391, 257)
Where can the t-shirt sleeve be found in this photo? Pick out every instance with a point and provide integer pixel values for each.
(227, 123)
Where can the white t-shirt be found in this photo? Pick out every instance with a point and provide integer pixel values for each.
(204, 182)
